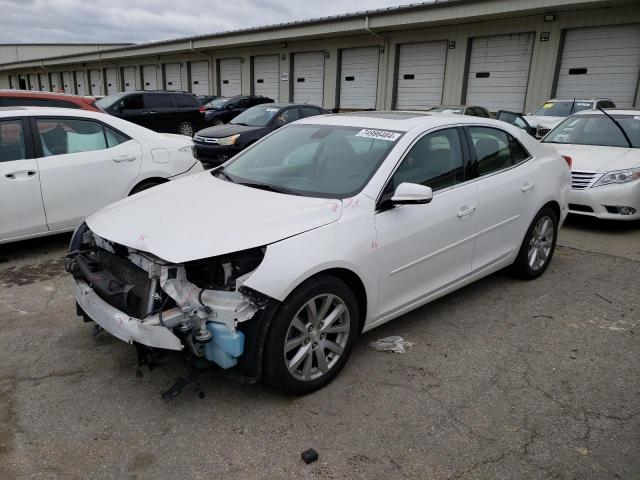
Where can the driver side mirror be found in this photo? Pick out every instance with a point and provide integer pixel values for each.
(412, 194)
(516, 120)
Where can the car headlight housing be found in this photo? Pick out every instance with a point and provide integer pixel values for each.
(229, 140)
(618, 176)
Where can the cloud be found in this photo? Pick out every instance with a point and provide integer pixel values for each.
(118, 21)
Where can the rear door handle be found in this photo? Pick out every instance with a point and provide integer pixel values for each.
(527, 187)
(124, 158)
(465, 211)
(17, 175)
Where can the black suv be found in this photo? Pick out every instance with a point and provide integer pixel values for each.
(162, 111)
(215, 145)
(223, 109)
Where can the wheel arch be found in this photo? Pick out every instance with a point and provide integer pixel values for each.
(156, 180)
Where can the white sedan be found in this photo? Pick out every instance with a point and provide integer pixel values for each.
(58, 165)
(276, 261)
(605, 153)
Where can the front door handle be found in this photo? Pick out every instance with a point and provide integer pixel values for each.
(20, 174)
(124, 158)
(466, 211)
(527, 187)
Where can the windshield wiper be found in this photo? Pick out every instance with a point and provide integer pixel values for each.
(222, 173)
(626, 137)
(238, 123)
(270, 188)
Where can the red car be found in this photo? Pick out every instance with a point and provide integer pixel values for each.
(26, 98)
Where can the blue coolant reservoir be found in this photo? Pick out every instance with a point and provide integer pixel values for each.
(225, 347)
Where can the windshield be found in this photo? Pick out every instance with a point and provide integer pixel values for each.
(325, 161)
(109, 101)
(217, 103)
(597, 130)
(562, 109)
(256, 116)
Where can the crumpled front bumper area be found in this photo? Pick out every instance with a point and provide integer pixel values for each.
(120, 324)
(142, 299)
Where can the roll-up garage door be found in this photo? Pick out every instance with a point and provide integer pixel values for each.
(230, 77)
(420, 75)
(43, 82)
(601, 62)
(55, 81)
(199, 78)
(81, 82)
(266, 76)
(31, 81)
(97, 84)
(308, 78)
(111, 75)
(67, 82)
(149, 77)
(499, 71)
(129, 79)
(173, 76)
(359, 77)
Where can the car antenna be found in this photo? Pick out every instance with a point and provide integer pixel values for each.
(626, 137)
(573, 106)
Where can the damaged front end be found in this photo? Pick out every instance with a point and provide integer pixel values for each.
(197, 307)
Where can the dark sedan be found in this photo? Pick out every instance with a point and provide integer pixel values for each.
(223, 109)
(215, 145)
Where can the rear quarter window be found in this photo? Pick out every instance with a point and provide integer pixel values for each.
(186, 101)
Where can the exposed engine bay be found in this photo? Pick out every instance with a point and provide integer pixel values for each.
(195, 307)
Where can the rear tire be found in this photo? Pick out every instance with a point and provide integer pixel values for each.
(144, 186)
(311, 336)
(186, 129)
(538, 246)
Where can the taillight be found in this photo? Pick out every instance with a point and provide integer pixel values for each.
(567, 159)
(202, 109)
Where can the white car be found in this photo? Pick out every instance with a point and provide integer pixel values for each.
(58, 165)
(553, 111)
(334, 225)
(605, 154)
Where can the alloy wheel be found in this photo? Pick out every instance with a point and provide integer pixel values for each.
(186, 129)
(540, 243)
(317, 337)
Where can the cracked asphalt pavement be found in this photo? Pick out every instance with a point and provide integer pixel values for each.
(507, 379)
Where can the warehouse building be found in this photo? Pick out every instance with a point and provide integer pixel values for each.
(501, 54)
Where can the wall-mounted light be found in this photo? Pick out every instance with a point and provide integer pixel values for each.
(550, 17)
(327, 54)
(283, 57)
(284, 45)
(452, 44)
(382, 49)
(544, 36)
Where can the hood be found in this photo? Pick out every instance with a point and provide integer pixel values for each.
(227, 130)
(599, 159)
(542, 121)
(202, 216)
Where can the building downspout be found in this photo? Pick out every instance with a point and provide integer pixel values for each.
(366, 27)
(197, 51)
(386, 58)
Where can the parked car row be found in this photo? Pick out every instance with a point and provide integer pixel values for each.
(309, 228)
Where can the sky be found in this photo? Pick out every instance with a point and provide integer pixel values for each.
(135, 21)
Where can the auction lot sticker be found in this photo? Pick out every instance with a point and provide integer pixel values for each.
(379, 134)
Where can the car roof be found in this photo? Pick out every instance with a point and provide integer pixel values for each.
(615, 111)
(553, 100)
(37, 94)
(396, 120)
(48, 111)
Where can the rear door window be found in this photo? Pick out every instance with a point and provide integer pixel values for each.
(309, 112)
(158, 100)
(186, 101)
(26, 102)
(495, 149)
(12, 145)
(60, 136)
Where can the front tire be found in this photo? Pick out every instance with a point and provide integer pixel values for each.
(311, 336)
(538, 245)
(186, 129)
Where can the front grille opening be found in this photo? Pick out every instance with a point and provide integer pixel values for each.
(581, 208)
